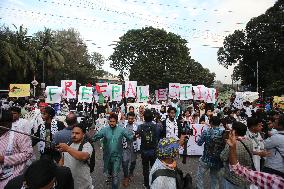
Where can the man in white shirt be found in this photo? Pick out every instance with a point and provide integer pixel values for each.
(77, 159)
(20, 124)
(253, 134)
(170, 125)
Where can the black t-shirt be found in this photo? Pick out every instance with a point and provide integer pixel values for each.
(63, 176)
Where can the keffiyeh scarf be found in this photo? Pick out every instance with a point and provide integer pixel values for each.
(171, 128)
(124, 142)
(53, 128)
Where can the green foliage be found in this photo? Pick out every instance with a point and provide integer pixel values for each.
(155, 57)
(262, 41)
(55, 54)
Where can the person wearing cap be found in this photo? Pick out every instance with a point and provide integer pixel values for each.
(167, 152)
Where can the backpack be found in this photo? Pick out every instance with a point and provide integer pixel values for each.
(215, 147)
(181, 182)
(92, 159)
(148, 136)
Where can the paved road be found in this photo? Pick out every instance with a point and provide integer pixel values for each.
(137, 183)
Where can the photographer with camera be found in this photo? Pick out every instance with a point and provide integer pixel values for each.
(214, 143)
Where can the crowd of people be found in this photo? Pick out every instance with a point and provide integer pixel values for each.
(53, 145)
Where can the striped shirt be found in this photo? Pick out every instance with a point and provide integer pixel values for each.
(21, 152)
(260, 179)
(161, 182)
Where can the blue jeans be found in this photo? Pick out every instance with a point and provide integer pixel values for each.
(115, 181)
(127, 171)
(214, 175)
(228, 185)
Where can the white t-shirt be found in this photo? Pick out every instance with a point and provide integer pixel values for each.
(22, 125)
(80, 170)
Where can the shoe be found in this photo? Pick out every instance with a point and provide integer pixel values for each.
(126, 182)
(131, 177)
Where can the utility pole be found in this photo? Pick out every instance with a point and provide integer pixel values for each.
(256, 76)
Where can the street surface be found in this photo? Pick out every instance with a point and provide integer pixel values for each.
(137, 182)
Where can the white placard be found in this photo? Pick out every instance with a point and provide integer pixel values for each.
(53, 94)
(69, 88)
(85, 94)
(130, 89)
(174, 90)
(186, 92)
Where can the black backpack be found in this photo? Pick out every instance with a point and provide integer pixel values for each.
(181, 182)
(92, 159)
(148, 136)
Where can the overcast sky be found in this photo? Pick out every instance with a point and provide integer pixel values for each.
(203, 23)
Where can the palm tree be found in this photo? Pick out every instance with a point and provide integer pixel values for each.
(48, 56)
(15, 60)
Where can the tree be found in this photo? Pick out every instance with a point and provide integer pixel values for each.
(47, 54)
(79, 63)
(15, 60)
(56, 54)
(262, 42)
(156, 57)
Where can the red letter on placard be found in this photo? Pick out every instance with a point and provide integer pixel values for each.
(199, 90)
(132, 90)
(209, 95)
(67, 85)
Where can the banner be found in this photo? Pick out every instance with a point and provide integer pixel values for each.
(19, 90)
(199, 92)
(53, 94)
(69, 88)
(143, 93)
(130, 89)
(186, 92)
(210, 95)
(192, 147)
(161, 94)
(116, 92)
(85, 94)
(242, 97)
(174, 90)
(279, 100)
(103, 88)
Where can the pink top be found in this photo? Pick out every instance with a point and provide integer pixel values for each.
(260, 179)
(22, 151)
